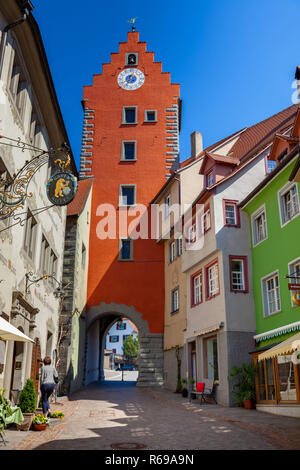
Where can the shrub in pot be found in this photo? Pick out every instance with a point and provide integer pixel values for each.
(184, 391)
(27, 404)
(244, 387)
(192, 383)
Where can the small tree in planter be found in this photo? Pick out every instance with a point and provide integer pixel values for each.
(27, 403)
(192, 383)
(184, 391)
(244, 387)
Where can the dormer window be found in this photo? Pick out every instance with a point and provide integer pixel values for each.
(132, 58)
(210, 179)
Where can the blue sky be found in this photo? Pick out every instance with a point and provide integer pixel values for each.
(235, 59)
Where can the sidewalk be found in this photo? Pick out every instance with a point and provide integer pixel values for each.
(281, 431)
(26, 440)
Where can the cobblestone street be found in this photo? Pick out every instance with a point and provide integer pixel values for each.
(105, 415)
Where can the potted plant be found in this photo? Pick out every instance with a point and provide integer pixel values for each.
(57, 414)
(192, 383)
(40, 422)
(27, 404)
(184, 391)
(244, 387)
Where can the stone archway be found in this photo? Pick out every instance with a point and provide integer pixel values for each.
(98, 318)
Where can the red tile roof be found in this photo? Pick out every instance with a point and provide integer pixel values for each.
(77, 205)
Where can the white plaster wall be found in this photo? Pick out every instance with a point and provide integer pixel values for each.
(14, 262)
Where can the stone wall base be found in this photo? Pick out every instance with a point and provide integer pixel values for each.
(150, 360)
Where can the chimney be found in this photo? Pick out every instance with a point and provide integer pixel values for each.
(196, 144)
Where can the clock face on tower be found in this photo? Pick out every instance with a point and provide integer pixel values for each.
(131, 79)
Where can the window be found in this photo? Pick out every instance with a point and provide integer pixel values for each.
(167, 206)
(210, 179)
(83, 254)
(179, 246)
(150, 115)
(35, 130)
(294, 272)
(172, 251)
(212, 279)
(125, 337)
(114, 339)
(131, 58)
(270, 165)
(127, 195)
(288, 203)
(206, 225)
(129, 115)
(175, 300)
(128, 150)
(231, 213)
(30, 235)
(259, 226)
(196, 289)
(126, 249)
(238, 273)
(121, 325)
(191, 238)
(18, 85)
(271, 294)
(211, 365)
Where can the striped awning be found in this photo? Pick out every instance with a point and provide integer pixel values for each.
(288, 346)
(210, 329)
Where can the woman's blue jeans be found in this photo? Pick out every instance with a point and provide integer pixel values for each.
(46, 390)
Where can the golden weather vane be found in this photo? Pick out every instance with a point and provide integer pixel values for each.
(132, 21)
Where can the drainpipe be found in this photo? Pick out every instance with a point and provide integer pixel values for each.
(27, 7)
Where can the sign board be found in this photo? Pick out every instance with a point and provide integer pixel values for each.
(61, 188)
(293, 286)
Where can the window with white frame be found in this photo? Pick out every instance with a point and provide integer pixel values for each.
(288, 203)
(167, 204)
(238, 274)
(127, 195)
(129, 115)
(271, 294)
(294, 273)
(197, 289)
(179, 246)
(175, 300)
(231, 214)
(210, 179)
(191, 238)
(172, 251)
(128, 150)
(213, 280)
(206, 224)
(259, 226)
(150, 115)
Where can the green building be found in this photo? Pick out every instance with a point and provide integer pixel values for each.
(274, 218)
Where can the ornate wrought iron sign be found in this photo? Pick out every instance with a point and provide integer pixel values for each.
(61, 188)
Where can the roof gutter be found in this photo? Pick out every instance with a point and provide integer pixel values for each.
(26, 9)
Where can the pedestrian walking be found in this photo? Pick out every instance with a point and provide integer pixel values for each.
(49, 378)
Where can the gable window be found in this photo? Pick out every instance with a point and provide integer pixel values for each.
(128, 150)
(238, 273)
(288, 203)
(167, 202)
(270, 165)
(271, 294)
(172, 253)
(175, 300)
(231, 213)
(121, 325)
(131, 58)
(30, 235)
(196, 289)
(129, 115)
(259, 226)
(126, 249)
(212, 279)
(127, 195)
(210, 179)
(150, 115)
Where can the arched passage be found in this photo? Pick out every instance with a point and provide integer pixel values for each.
(98, 320)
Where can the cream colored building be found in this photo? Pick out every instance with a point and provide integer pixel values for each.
(29, 113)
